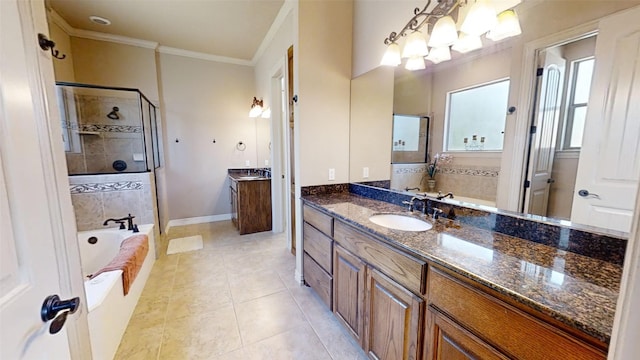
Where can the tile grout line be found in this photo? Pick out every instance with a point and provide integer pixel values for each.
(164, 323)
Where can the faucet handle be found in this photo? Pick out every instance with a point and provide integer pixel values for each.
(410, 203)
(436, 213)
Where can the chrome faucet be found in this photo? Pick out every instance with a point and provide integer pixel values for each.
(436, 213)
(412, 205)
(440, 196)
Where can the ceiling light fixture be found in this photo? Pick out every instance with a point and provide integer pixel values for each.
(480, 19)
(100, 20)
(256, 107)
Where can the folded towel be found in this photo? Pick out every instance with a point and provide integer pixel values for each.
(133, 251)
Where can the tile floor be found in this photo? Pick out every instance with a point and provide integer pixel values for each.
(234, 299)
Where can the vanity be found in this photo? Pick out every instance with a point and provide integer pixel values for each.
(455, 291)
(250, 199)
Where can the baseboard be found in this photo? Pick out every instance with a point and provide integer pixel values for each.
(196, 220)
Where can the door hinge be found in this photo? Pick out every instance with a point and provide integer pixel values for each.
(527, 184)
(539, 71)
(533, 129)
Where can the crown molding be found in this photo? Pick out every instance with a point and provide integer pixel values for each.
(62, 23)
(203, 56)
(94, 35)
(273, 30)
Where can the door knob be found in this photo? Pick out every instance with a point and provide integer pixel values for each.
(53, 305)
(550, 181)
(585, 194)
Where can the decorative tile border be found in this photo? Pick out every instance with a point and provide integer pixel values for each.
(102, 127)
(105, 187)
(487, 172)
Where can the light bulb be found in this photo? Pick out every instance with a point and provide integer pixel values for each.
(444, 33)
(416, 45)
(391, 56)
(467, 43)
(480, 19)
(415, 63)
(508, 25)
(439, 54)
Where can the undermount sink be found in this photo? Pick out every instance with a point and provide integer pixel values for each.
(400, 222)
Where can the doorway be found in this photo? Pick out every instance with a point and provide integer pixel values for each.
(563, 81)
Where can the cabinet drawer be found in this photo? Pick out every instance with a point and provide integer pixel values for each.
(319, 220)
(402, 268)
(318, 246)
(318, 279)
(513, 332)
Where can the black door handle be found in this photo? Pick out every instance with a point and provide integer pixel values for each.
(53, 305)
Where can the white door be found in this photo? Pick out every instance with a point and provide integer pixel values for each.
(607, 179)
(31, 217)
(546, 125)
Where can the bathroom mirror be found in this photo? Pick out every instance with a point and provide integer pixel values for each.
(409, 141)
(475, 175)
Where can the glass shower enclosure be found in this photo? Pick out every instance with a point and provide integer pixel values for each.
(107, 130)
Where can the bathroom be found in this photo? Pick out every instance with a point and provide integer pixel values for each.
(207, 115)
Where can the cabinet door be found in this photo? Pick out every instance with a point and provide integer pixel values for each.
(234, 206)
(393, 319)
(446, 340)
(348, 291)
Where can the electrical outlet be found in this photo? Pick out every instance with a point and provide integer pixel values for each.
(365, 172)
(332, 174)
(247, 163)
(266, 162)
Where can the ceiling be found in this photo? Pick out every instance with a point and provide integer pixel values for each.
(229, 28)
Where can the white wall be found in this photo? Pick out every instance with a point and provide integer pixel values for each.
(63, 69)
(203, 101)
(323, 87)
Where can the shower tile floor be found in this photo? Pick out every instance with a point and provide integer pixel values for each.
(234, 299)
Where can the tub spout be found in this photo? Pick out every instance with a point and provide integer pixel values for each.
(128, 219)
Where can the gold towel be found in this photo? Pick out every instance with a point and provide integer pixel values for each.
(133, 251)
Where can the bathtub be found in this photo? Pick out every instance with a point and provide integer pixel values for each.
(109, 309)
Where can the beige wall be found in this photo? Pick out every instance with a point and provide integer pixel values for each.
(371, 121)
(565, 168)
(203, 101)
(323, 88)
(274, 57)
(63, 69)
(112, 64)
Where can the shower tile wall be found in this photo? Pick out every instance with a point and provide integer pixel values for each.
(474, 182)
(115, 139)
(99, 197)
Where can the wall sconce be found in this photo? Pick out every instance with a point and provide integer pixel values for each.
(475, 18)
(256, 108)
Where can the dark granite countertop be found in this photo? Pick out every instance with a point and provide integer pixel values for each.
(247, 175)
(576, 290)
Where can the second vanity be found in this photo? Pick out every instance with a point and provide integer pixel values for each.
(250, 199)
(455, 291)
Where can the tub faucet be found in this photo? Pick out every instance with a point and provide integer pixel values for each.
(409, 189)
(128, 219)
(440, 196)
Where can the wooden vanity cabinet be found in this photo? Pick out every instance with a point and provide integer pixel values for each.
(250, 205)
(394, 319)
(317, 230)
(348, 291)
(465, 322)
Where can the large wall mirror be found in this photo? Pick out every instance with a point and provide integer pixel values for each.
(491, 78)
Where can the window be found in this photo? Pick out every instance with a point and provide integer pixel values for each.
(578, 96)
(475, 117)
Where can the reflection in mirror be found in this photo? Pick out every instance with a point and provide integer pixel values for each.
(475, 117)
(410, 140)
(489, 176)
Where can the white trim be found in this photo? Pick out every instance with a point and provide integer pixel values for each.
(94, 35)
(567, 154)
(278, 169)
(196, 220)
(509, 195)
(624, 338)
(202, 56)
(285, 9)
(62, 23)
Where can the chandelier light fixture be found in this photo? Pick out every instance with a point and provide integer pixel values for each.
(435, 45)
